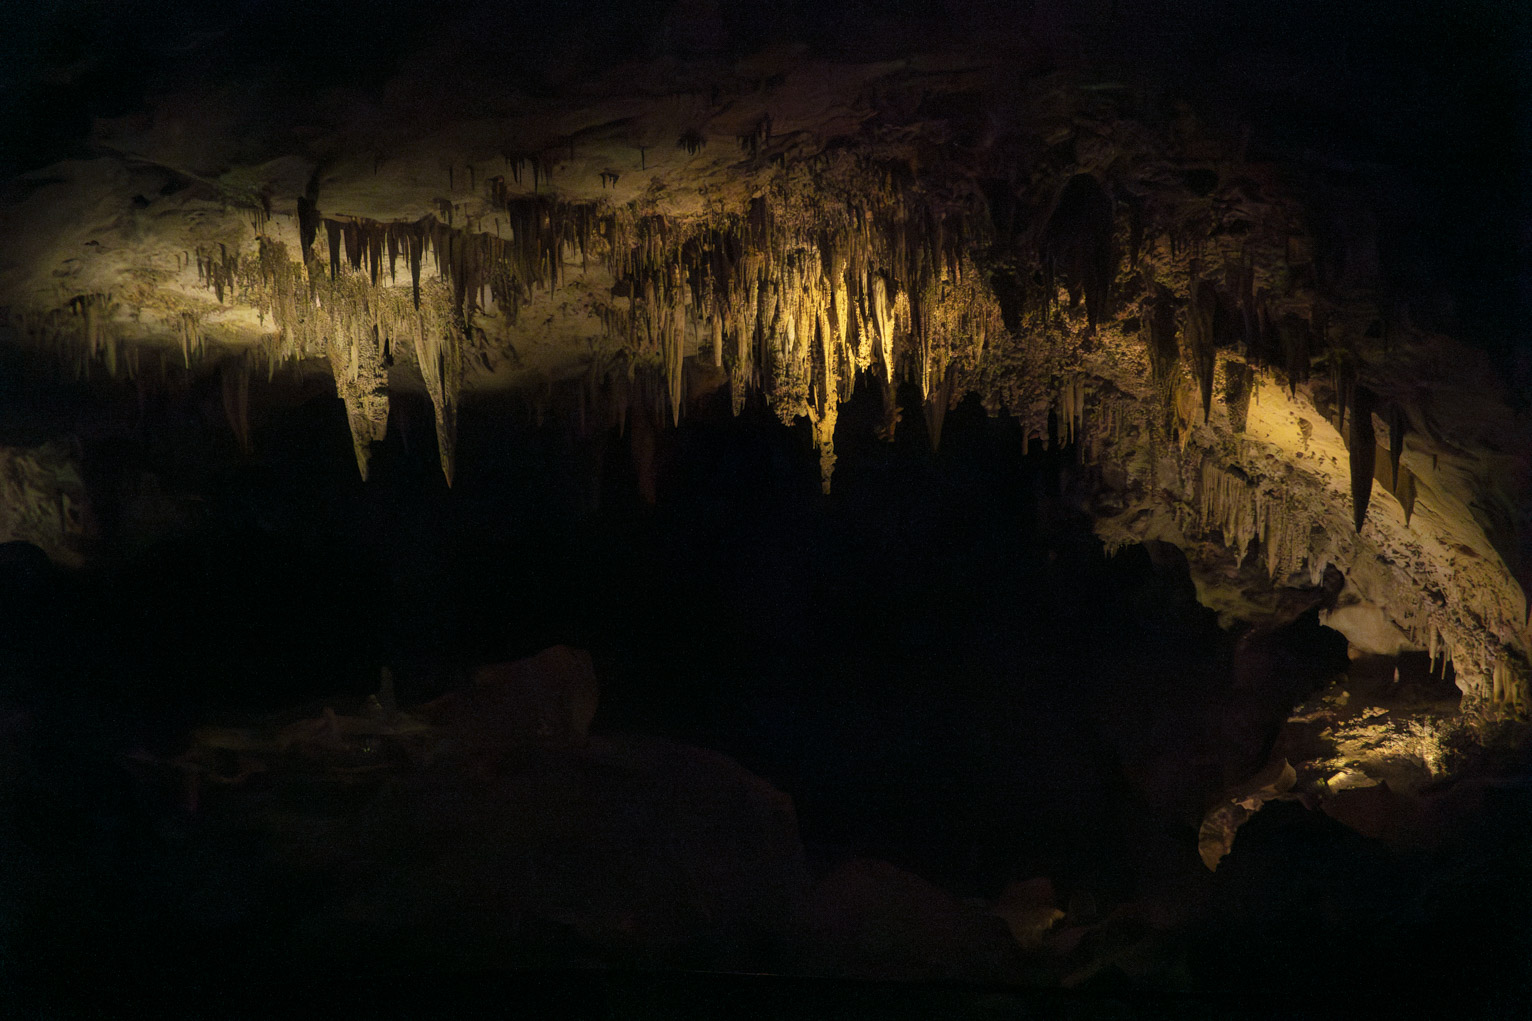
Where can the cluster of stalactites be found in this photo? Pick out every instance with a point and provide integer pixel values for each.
(81, 334)
(1243, 511)
(1368, 460)
(1495, 675)
(97, 338)
(1249, 513)
(1509, 683)
(798, 299)
(796, 294)
(218, 273)
(362, 323)
(526, 249)
(357, 327)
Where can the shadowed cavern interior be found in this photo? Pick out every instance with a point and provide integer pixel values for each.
(970, 509)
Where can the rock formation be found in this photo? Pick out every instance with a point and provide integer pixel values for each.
(1154, 289)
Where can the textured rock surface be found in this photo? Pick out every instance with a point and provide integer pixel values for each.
(43, 501)
(803, 224)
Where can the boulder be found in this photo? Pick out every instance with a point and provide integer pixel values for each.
(546, 700)
(871, 920)
(1374, 811)
(1029, 910)
(635, 849)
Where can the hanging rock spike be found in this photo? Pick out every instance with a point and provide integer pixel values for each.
(235, 380)
(1398, 425)
(1237, 390)
(333, 229)
(1364, 452)
(1163, 351)
(1202, 341)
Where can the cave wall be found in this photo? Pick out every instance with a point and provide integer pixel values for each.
(1116, 272)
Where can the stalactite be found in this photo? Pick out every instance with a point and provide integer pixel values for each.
(308, 226)
(374, 239)
(334, 229)
(1404, 491)
(235, 384)
(95, 337)
(1294, 335)
(351, 234)
(361, 382)
(439, 353)
(1363, 452)
(1077, 244)
(191, 337)
(1236, 393)
(1202, 340)
(1250, 322)
(795, 294)
(1398, 425)
(1071, 409)
(1163, 351)
(1343, 382)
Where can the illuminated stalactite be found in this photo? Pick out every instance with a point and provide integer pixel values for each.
(96, 334)
(439, 353)
(1071, 409)
(361, 382)
(191, 336)
(342, 315)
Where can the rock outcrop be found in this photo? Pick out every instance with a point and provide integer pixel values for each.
(1232, 376)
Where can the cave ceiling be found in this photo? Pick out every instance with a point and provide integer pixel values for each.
(1122, 272)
